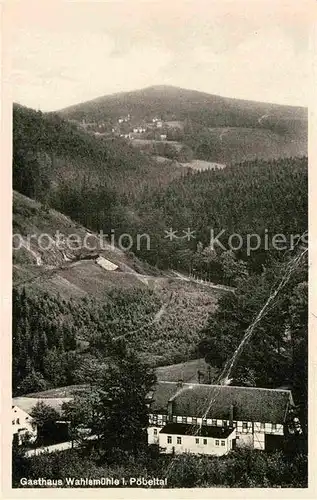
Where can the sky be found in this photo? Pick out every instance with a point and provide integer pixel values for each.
(65, 52)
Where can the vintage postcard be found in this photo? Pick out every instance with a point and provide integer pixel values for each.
(157, 302)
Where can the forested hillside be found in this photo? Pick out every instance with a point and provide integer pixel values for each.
(53, 337)
(212, 128)
(50, 154)
(265, 198)
(173, 103)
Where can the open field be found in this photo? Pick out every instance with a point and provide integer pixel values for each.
(202, 165)
(187, 371)
(145, 143)
(58, 392)
(236, 144)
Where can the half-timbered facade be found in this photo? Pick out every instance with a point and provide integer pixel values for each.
(258, 416)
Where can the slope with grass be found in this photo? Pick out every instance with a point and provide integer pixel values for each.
(68, 309)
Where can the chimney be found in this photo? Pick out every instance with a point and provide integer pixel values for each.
(170, 411)
(231, 415)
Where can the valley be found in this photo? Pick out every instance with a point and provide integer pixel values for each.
(82, 184)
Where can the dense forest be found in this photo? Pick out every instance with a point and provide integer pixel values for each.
(262, 198)
(54, 337)
(265, 198)
(50, 152)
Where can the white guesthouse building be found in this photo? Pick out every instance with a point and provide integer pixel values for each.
(23, 426)
(238, 416)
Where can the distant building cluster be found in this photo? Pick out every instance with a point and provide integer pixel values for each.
(128, 128)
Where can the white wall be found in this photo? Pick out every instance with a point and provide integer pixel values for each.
(188, 444)
(23, 424)
(152, 437)
(252, 434)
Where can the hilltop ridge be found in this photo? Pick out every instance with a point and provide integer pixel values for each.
(214, 128)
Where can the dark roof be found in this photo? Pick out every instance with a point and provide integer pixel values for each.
(163, 391)
(194, 430)
(250, 403)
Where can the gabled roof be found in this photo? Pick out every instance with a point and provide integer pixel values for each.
(190, 430)
(27, 404)
(161, 393)
(250, 403)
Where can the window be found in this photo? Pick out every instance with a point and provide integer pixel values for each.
(194, 420)
(223, 443)
(155, 432)
(234, 424)
(224, 423)
(164, 419)
(214, 422)
(273, 427)
(262, 426)
(197, 440)
(169, 439)
(244, 426)
(205, 441)
(217, 442)
(13, 422)
(184, 420)
(175, 419)
(179, 440)
(18, 421)
(154, 419)
(204, 421)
